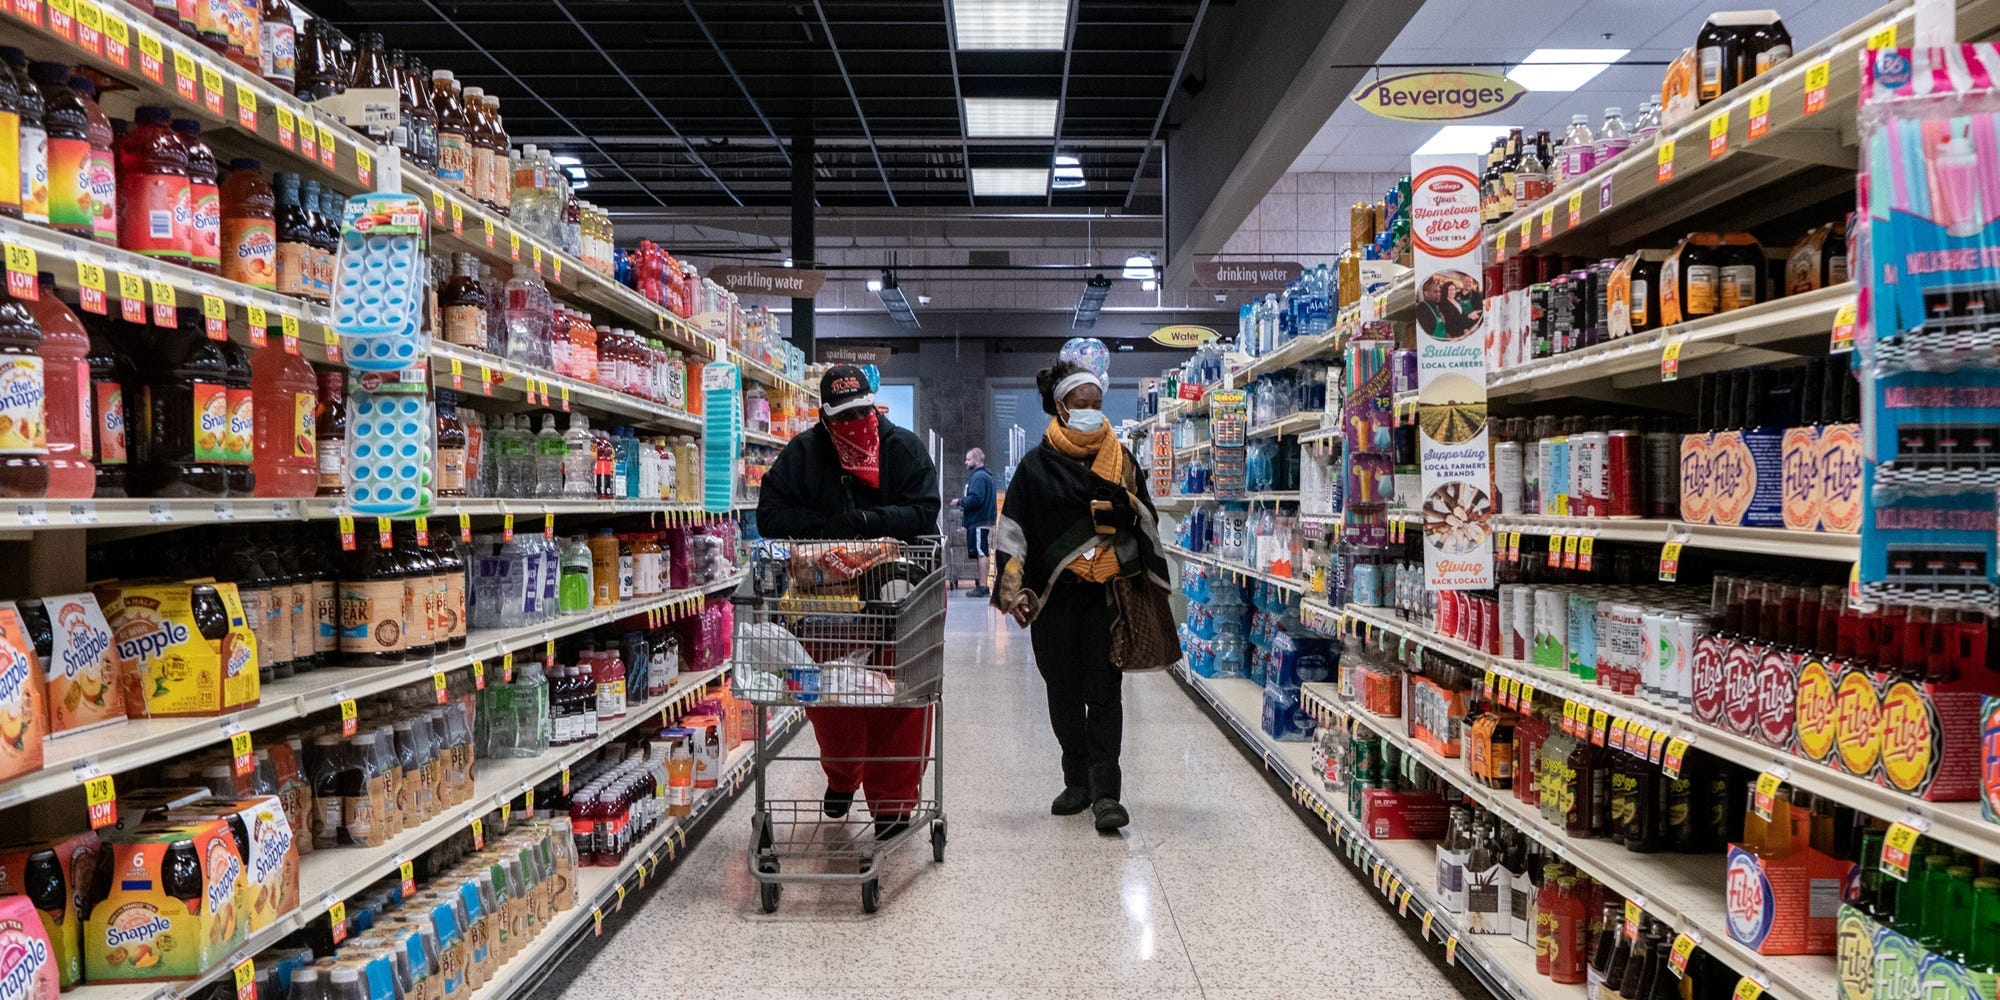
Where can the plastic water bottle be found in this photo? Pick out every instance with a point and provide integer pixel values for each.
(1613, 138)
(1579, 148)
(529, 311)
(579, 452)
(550, 451)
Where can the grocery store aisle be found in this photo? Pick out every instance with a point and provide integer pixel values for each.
(1216, 890)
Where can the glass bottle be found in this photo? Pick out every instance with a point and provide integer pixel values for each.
(1984, 955)
(371, 72)
(450, 446)
(330, 432)
(463, 301)
(454, 156)
(278, 45)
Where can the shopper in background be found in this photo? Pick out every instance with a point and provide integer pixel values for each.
(1079, 564)
(977, 509)
(856, 475)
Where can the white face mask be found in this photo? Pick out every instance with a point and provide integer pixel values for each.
(1085, 420)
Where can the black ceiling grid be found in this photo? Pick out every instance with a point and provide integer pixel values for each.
(689, 104)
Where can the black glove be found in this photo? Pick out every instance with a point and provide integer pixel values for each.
(1119, 517)
(863, 523)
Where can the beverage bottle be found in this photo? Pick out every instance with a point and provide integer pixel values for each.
(1579, 147)
(249, 226)
(1608, 937)
(211, 25)
(478, 473)
(421, 592)
(1510, 168)
(488, 158)
(1489, 183)
(528, 313)
(331, 209)
(285, 435)
(449, 554)
(103, 163)
(154, 214)
(330, 432)
(574, 591)
(66, 153)
(1648, 123)
(463, 301)
(110, 372)
(454, 127)
(1937, 916)
(579, 455)
(1566, 963)
(246, 34)
(604, 568)
(277, 45)
(185, 406)
(373, 631)
(34, 135)
(1613, 138)
(313, 269)
(450, 446)
(24, 447)
(496, 129)
(10, 143)
(204, 199)
(550, 450)
(1984, 954)
(240, 432)
(66, 395)
(371, 72)
(293, 232)
(560, 340)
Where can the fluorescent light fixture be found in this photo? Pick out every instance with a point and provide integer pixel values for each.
(1560, 71)
(1462, 139)
(1092, 300)
(1140, 267)
(1010, 24)
(1010, 117)
(1149, 285)
(895, 302)
(1068, 175)
(874, 284)
(566, 160)
(1009, 182)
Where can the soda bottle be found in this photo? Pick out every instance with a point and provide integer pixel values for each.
(240, 433)
(249, 226)
(286, 440)
(66, 390)
(330, 432)
(277, 45)
(24, 447)
(153, 217)
(34, 136)
(204, 199)
(103, 168)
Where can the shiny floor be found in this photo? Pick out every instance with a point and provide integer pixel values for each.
(1216, 890)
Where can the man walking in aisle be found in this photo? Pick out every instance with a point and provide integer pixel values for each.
(978, 509)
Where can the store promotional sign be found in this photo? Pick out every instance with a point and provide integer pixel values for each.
(790, 282)
(1456, 504)
(1439, 95)
(842, 353)
(1183, 336)
(1245, 276)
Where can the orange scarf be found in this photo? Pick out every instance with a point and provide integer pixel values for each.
(1107, 460)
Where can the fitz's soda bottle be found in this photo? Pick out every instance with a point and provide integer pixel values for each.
(66, 390)
(286, 438)
(184, 416)
(24, 443)
(154, 216)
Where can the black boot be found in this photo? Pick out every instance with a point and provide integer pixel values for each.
(1073, 800)
(1110, 815)
(835, 803)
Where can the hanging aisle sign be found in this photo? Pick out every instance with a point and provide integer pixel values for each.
(1442, 94)
(1456, 502)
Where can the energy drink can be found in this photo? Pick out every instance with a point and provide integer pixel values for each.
(1624, 492)
(1588, 488)
(1662, 475)
(1507, 477)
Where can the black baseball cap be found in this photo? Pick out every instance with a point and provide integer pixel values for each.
(844, 388)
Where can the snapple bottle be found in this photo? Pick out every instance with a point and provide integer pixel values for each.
(249, 226)
(184, 416)
(111, 371)
(153, 216)
(24, 445)
(204, 199)
(103, 164)
(285, 434)
(240, 432)
(66, 382)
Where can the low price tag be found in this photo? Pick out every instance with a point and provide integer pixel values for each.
(1670, 358)
(507, 527)
(479, 675)
(1845, 319)
(1548, 222)
(348, 717)
(245, 762)
(100, 796)
(346, 525)
(1898, 846)
(1633, 910)
(132, 298)
(214, 317)
(1817, 76)
(1663, 171)
(408, 873)
(21, 270)
(1767, 795)
(1600, 720)
(1748, 989)
(1617, 735)
(1718, 134)
(164, 303)
(259, 322)
(1570, 543)
(1670, 561)
(336, 918)
(1575, 209)
(465, 528)
(246, 979)
(1684, 945)
(438, 684)
(478, 834)
(1760, 113)
(1677, 749)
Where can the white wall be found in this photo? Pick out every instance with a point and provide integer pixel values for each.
(1305, 216)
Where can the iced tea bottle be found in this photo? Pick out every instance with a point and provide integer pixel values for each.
(111, 372)
(10, 143)
(24, 444)
(34, 137)
(240, 433)
(294, 235)
(184, 415)
(454, 128)
(496, 130)
(372, 629)
(249, 226)
(450, 446)
(286, 441)
(204, 199)
(330, 432)
(277, 45)
(463, 301)
(66, 124)
(66, 390)
(153, 215)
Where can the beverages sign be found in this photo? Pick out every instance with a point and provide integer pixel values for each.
(1254, 275)
(790, 282)
(1439, 95)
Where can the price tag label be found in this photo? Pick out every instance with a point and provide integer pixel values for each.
(349, 715)
(437, 206)
(152, 57)
(1898, 846)
(1617, 734)
(83, 512)
(438, 684)
(346, 523)
(1527, 231)
(1425, 927)
(32, 515)
(326, 146)
(89, 26)
(528, 801)
(1569, 717)
(164, 303)
(1663, 170)
(479, 674)
(488, 223)
(514, 246)
(382, 533)
(565, 781)
(211, 90)
(1817, 76)
(620, 905)
(506, 812)
(1676, 753)
(538, 258)
(245, 761)
(364, 166)
(507, 527)
(1634, 909)
(478, 834)
(1748, 989)
(408, 873)
(100, 797)
(1451, 950)
(21, 270)
(1883, 38)
(1670, 358)
(1670, 561)
(1760, 114)
(557, 263)
(288, 328)
(246, 107)
(1600, 722)
(1513, 546)
(184, 75)
(1677, 959)
(1548, 222)
(1569, 544)
(1657, 745)
(548, 525)
(457, 219)
(336, 918)
(308, 139)
(597, 921)
(1766, 796)
(287, 127)
(1527, 695)
(465, 527)
(246, 979)
(565, 394)
(1718, 134)
(214, 316)
(1845, 319)
(132, 298)
(117, 40)
(258, 321)
(1487, 682)
(1584, 544)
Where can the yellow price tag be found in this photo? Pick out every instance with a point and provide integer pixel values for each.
(1760, 113)
(1748, 989)
(1677, 749)
(289, 324)
(1527, 694)
(99, 790)
(1663, 170)
(212, 307)
(1884, 38)
(362, 160)
(1683, 950)
(89, 275)
(438, 684)
(1548, 221)
(246, 979)
(1670, 561)
(211, 79)
(336, 913)
(1670, 358)
(479, 674)
(1766, 797)
(1718, 134)
(1618, 729)
(1817, 77)
(131, 286)
(163, 295)
(183, 63)
(258, 318)
(1898, 847)
(1575, 209)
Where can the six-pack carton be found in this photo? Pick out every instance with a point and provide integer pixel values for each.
(24, 708)
(270, 886)
(183, 648)
(27, 962)
(1784, 906)
(25, 870)
(82, 673)
(170, 911)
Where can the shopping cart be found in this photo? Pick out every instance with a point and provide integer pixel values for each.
(840, 625)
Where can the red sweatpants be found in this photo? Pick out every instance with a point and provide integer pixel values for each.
(892, 786)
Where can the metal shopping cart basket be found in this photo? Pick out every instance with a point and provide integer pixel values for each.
(841, 626)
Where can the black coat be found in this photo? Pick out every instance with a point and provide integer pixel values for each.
(807, 494)
(978, 502)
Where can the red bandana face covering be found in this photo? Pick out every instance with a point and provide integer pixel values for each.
(858, 442)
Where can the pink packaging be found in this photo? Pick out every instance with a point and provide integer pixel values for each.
(28, 968)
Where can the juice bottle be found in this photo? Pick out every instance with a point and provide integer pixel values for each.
(496, 131)
(240, 433)
(66, 136)
(10, 144)
(680, 780)
(450, 446)
(479, 171)
(249, 226)
(448, 551)
(184, 415)
(277, 45)
(24, 445)
(604, 568)
(153, 217)
(34, 136)
(66, 389)
(204, 199)
(103, 163)
(292, 230)
(330, 432)
(331, 209)
(463, 301)
(110, 372)
(286, 441)
(211, 25)
(1566, 964)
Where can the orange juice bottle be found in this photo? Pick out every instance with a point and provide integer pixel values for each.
(286, 400)
(680, 780)
(249, 226)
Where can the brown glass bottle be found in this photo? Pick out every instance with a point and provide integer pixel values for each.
(454, 129)
(371, 72)
(330, 431)
(373, 631)
(447, 550)
(450, 446)
(421, 592)
(278, 45)
(464, 304)
(319, 68)
(420, 118)
(1588, 812)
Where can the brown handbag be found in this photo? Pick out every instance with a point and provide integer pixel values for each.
(1143, 636)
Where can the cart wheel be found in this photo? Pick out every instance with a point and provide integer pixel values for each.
(871, 896)
(937, 841)
(767, 894)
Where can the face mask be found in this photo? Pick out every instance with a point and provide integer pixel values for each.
(1085, 420)
(858, 445)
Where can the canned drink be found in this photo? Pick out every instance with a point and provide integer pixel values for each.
(1580, 651)
(1684, 636)
(1507, 477)
(1450, 614)
(1657, 674)
(1663, 474)
(803, 683)
(1524, 623)
(1621, 634)
(1551, 629)
(1624, 493)
(1490, 640)
(1475, 624)
(1587, 484)
(1509, 594)
(1367, 585)
(1559, 489)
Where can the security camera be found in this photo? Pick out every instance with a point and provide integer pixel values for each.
(1221, 297)
(923, 300)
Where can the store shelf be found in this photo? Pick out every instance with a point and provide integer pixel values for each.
(1283, 583)
(1182, 499)
(1397, 866)
(1685, 891)
(122, 746)
(1297, 423)
(767, 440)
(1718, 538)
(1726, 340)
(477, 373)
(17, 516)
(1617, 205)
(1957, 823)
(1193, 450)
(1273, 496)
(1324, 345)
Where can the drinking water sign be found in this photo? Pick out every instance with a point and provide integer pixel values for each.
(1439, 95)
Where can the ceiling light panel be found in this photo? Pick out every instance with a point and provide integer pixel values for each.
(1461, 139)
(1010, 24)
(1009, 182)
(1009, 117)
(1561, 71)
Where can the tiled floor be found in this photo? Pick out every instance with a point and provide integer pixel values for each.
(1216, 890)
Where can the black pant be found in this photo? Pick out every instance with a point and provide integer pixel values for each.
(1072, 641)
